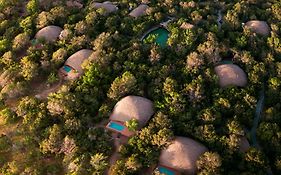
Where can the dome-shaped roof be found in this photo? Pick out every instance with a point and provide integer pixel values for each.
(133, 107)
(244, 144)
(108, 6)
(75, 61)
(182, 155)
(259, 27)
(50, 33)
(231, 74)
(139, 11)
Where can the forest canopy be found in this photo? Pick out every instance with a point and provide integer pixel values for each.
(208, 72)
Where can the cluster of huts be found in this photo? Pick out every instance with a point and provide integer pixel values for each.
(181, 155)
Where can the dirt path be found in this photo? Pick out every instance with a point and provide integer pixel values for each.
(44, 90)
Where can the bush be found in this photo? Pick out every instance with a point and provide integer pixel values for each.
(8, 116)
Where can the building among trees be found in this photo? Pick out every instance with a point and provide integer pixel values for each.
(259, 27)
(72, 67)
(130, 108)
(139, 11)
(181, 156)
(49, 33)
(108, 6)
(231, 74)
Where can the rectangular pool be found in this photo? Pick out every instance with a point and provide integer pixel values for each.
(165, 171)
(67, 68)
(116, 126)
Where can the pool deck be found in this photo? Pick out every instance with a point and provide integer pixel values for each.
(68, 75)
(124, 132)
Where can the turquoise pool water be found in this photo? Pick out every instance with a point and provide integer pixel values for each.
(161, 34)
(166, 171)
(67, 68)
(116, 126)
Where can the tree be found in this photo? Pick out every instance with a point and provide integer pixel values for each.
(122, 86)
(54, 141)
(255, 159)
(32, 6)
(44, 19)
(20, 41)
(4, 45)
(99, 163)
(194, 61)
(132, 124)
(29, 69)
(58, 57)
(27, 24)
(132, 163)
(118, 168)
(7, 116)
(209, 163)
(8, 58)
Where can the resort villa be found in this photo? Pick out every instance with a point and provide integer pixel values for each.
(107, 5)
(180, 157)
(72, 67)
(139, 11)
(128, 108)
(231, 75)
(259, 27)
(49, 33)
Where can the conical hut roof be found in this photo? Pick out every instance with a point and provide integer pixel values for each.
(50, 33)
(231, 74)
(260, 27)
(182, 155)
(108, 6)
(133, 107)
(139, 11)
(75, 61)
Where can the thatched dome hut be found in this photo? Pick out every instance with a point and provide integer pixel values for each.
(139, 11)
(49, 33)
(133, 107)
(259, 27)
(244, 144)
(75, 61)
(108, 6)
(182, 155)
(231, 74)
(74, 4)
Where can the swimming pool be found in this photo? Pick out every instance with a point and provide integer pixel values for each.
(161, 34)
(165, 171)
(67, 68)
(116, 126)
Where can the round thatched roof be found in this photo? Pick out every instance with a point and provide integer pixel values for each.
(231, 74)
(50, 33)
(133, 107)
(182, 155)
(259, 27)
(108, 6)
(75, 4)
(244, 144)
(75, 61)
(139, 11)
